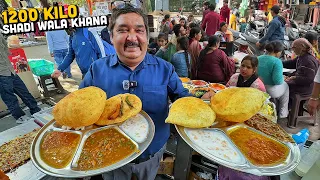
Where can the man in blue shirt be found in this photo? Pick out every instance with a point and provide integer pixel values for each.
(152, 80)
(276, 28)
(84, 48)
(58, 48)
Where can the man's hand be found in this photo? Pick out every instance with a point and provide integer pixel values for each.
(289, 78)
(258, 44)
(313, 106)
(51, 54)
(208, 95)
(56, 74)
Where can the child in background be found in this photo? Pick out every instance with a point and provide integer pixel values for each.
(162, 40)
(243, 25)
(181, 59)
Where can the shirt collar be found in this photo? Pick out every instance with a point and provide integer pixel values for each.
(148, 59)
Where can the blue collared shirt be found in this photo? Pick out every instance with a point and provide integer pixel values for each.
(156, 80)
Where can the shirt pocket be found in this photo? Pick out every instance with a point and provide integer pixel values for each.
(155, 98)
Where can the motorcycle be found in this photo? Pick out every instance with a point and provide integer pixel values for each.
(195, 7)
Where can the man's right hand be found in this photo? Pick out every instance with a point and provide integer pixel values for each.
(313, 106)
(51, 54)
(56, 74)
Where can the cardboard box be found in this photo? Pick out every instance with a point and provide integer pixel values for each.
(166, 166)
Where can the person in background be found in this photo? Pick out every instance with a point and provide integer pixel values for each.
(11, 85)
(243, 25)
(181, 60)
(248, 76)
(213, 64)
(235, 17)
(225, 12)
(157, 81)
(276, 28)
(58, 48)
(286, 14)
(167, 51)
(166, 25)
(173, 22)
(281, 5)
(270, 70)
(224, 34)
(183, 22)
(211, 22)
(250, 17)
(313, 103)
(306, 65)
(206, 9)
(194, 49)
(190, 26)
(191, 19)
(313, 39)
(162, 40)
(105, 33)
(84, 48)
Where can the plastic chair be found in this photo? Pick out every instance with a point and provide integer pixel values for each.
(297, 110)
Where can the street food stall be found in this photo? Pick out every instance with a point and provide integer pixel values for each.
(63, 145)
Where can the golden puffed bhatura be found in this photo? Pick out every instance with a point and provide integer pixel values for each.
(191, 112)
(120, 108)
(80, 108)
(237, 104)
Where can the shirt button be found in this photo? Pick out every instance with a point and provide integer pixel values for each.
(132, 90)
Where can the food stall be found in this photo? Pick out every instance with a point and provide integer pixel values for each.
(74, 145)
(208, 129)
(220, 143)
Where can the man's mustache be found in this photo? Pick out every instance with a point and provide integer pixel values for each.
(131, 44)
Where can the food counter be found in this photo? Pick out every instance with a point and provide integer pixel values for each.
(26, 171)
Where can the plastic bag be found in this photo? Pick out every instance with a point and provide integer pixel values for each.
(301, 137)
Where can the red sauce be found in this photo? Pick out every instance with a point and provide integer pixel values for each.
(199, 83)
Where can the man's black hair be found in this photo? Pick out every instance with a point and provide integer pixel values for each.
(212, 7)
(176, 29)
(127, 9)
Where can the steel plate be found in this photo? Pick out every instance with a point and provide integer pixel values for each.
(69, 171)
(291, 162)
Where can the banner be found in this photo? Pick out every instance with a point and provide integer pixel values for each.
(101, 8)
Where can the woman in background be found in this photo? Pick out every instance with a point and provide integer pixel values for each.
(224, 34)
(313, 39)
(306, 65)
(181, 60)
(270, 70)
(194, 48)
(248, 76)
(213, 64)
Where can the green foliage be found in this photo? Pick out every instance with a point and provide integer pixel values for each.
(8, 2)
(75, 2)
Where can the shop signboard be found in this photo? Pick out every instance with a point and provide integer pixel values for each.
(102, 8)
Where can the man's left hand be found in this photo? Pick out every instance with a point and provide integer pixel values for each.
(258, 44)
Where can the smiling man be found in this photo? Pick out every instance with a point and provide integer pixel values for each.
(133, 70)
